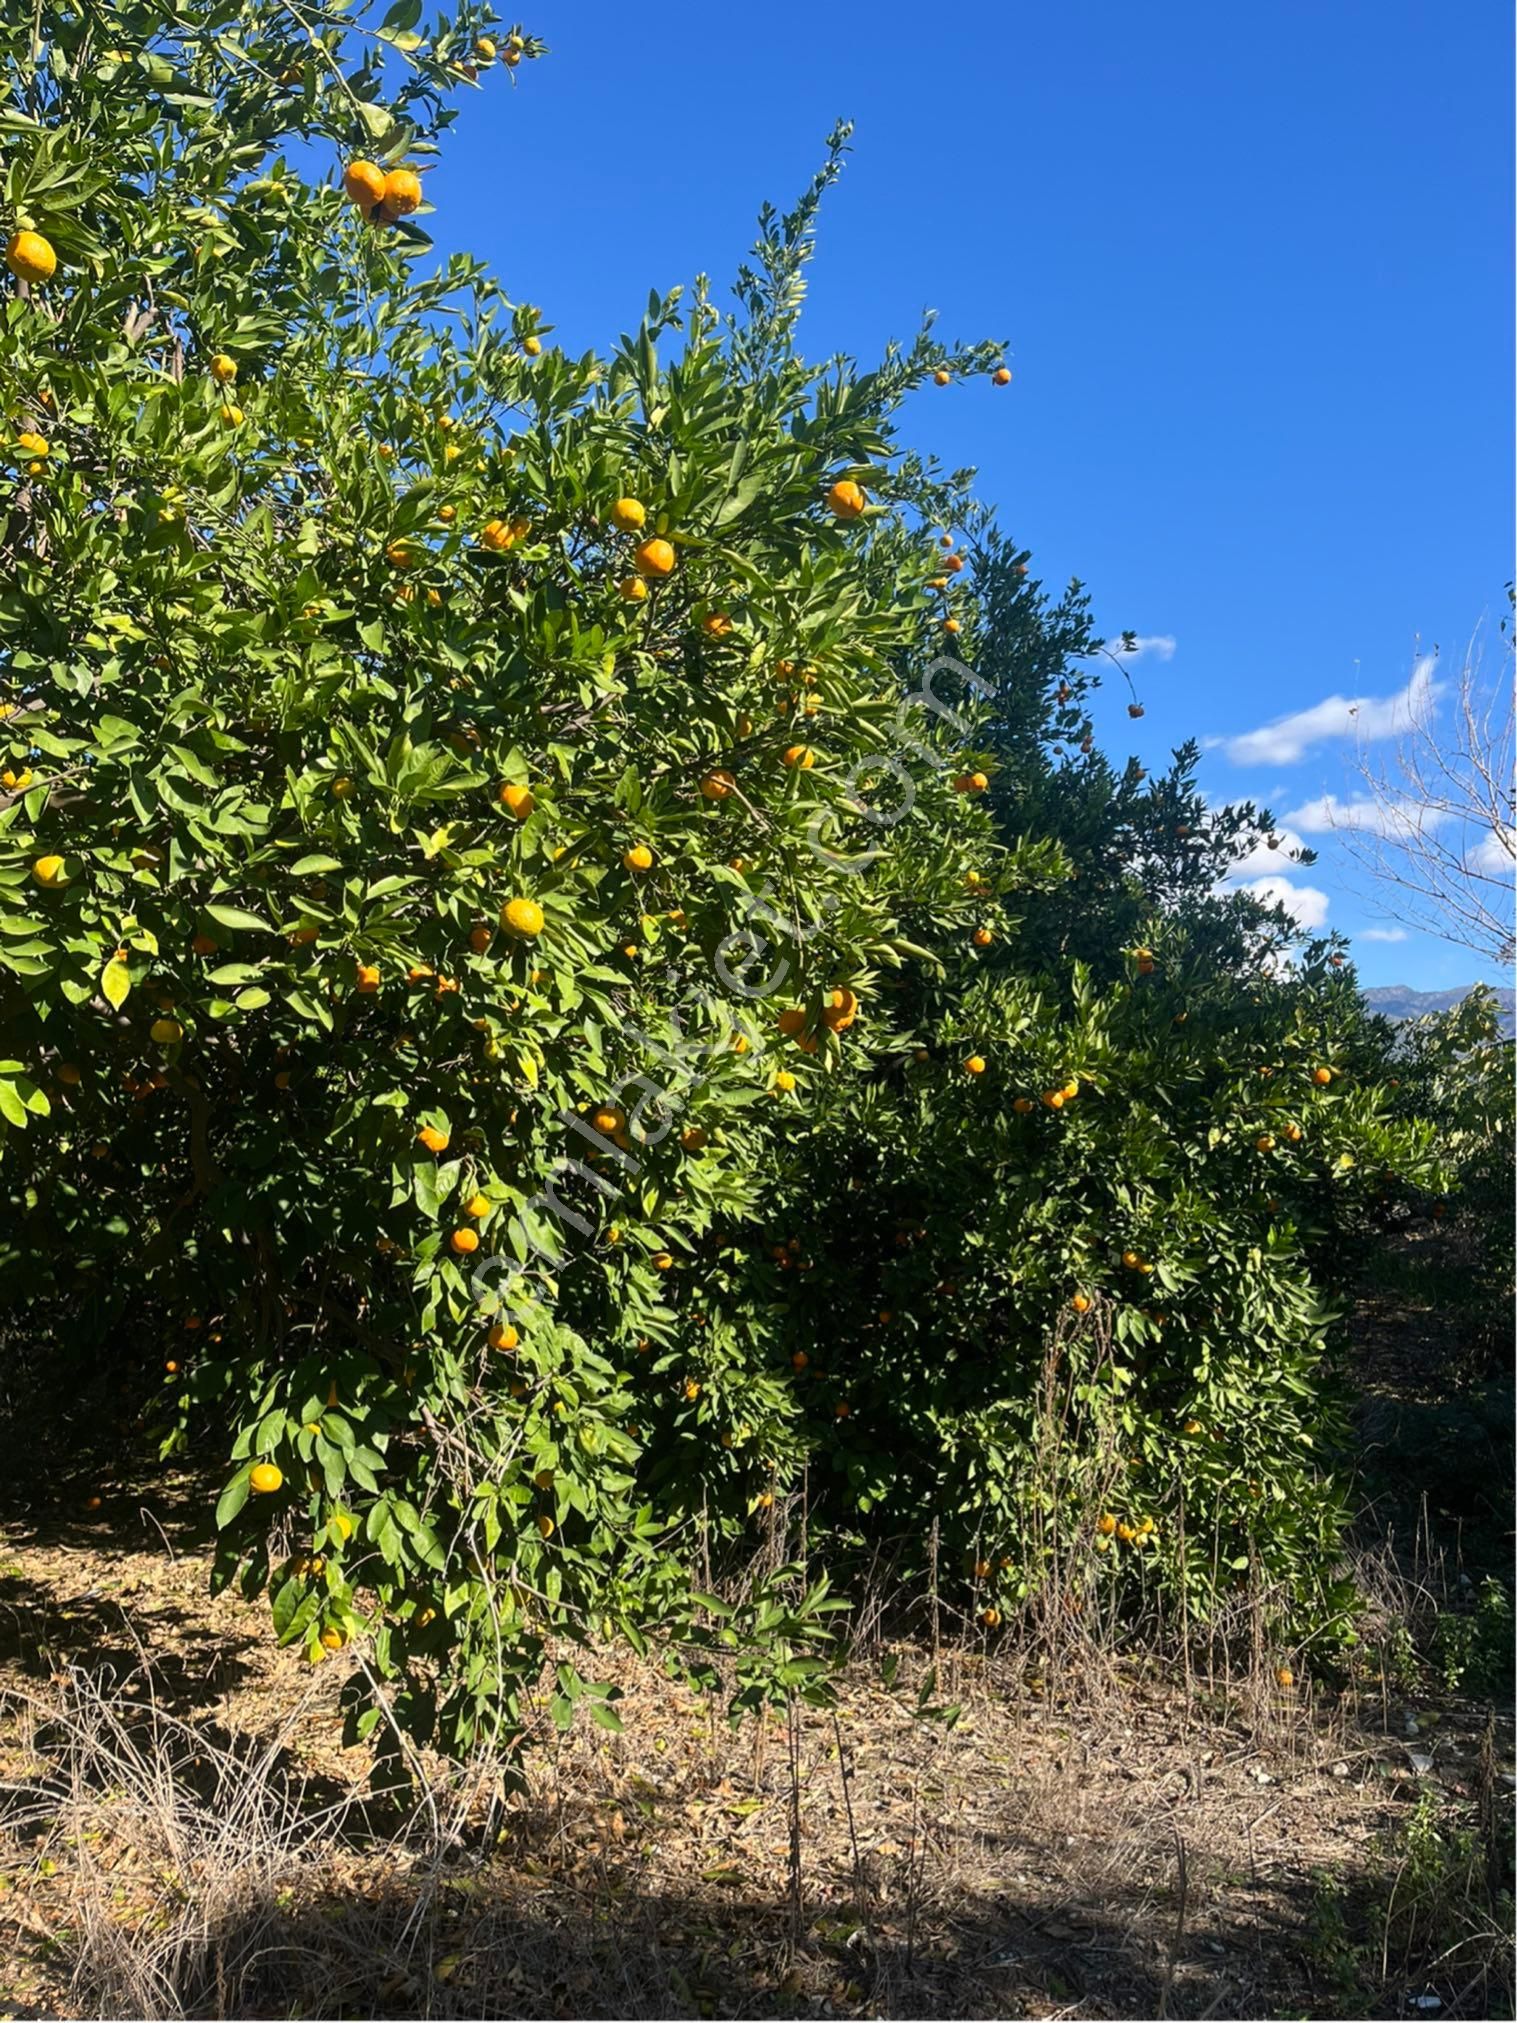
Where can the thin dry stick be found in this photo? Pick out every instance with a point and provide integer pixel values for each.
(1172, 1953)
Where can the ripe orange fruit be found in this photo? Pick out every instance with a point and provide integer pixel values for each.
(975, 1065)
(1191, 1426)
(1002, 375)
(791, 1022)
(633, 589)
(1024, 1106)
(203, 944)
(1081, 1303)
(718, 786)
(740, 1043)
(1293, 1133)
(432, 1138)
(950, 625)
(608, 1119)
(14, 782)
(840, 1010)
(983, 937)
(30, 257)
(990, 1618)
(223, 369)
(846, 500)
(1264, 1142)
(1131, 1260)
(629, 514)
(638, 858)
(464, 1241)
(954, 563)
(1071, 1089)
(1106, 1524)
(92, 1502)
(332, 1638)
(402, 194)
(941, 378)
(522, 917)
(662, 1261)
(364, 183)
(1285, 1678)
(480, 939)
(503, 1336)
(477, 1205)
(716, 625)
(800, 757)
(165, 1032)
(653, 558)
(516, 800)
(49, 871)
(1322, 1076)
(1053, 1099)
(692, 1138)
(265, 1478)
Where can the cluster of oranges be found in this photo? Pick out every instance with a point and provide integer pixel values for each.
(385, 196)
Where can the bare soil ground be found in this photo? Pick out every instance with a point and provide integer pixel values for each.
(183, 1833)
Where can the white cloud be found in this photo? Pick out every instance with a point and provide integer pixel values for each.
(1493, 856)
(1381, 934)
(1382, 818)
(1306, 904)
(1288, 739)
(1271, 854)
(1160, 645)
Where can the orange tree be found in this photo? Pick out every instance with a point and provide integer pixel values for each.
(1057, 1273)
(422, 753)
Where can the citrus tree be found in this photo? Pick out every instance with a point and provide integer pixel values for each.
(425, 757)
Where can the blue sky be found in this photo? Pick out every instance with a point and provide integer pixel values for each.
(1252, 266)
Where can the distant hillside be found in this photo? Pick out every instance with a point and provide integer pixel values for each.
(1400, 1001)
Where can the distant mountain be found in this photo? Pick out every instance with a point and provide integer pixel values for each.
(1399, 1001)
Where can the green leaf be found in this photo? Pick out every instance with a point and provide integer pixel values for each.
(115, 984)
(234, 916)
(233, 1497)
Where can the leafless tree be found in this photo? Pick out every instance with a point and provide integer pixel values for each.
(1435, 824)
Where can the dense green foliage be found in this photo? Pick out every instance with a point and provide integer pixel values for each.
(447, 1143)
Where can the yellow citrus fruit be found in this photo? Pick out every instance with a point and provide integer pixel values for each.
(231, 417)
(983, 937)
(1081, 1303)
(1285, 1678)
(662, 1261)
(49, 871)
(716, 625)
(545, 1526)
(265, 1478)
(477, 1205)
(332, 1638)
(432, 1138)
(223, 369)
(629, 514)
(1264, 1142)
(941, 378)
(522, 917)
(503, 1336)
(1053, 1099)
(30, 257)
(402, 193)
(633, 589)
(364, 184)
(516, 800)
(784, 1081)
(638, 858)
(718, 785)
(164, 1032)
(1131, 1259)
(800, 757)
(975, 1065)
(846, 500)
(654, 558)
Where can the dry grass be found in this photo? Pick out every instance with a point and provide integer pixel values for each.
(183, 1835)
